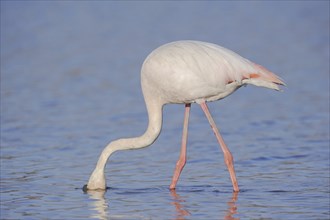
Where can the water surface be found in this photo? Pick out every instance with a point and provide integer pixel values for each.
(70, 83)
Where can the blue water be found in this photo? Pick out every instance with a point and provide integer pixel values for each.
(70, 83)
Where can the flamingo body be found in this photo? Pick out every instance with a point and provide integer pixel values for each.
(186, 72)
(193, 71)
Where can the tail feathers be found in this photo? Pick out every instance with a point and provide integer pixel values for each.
(263, 77)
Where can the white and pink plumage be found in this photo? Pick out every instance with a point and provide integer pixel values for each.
(186, 72)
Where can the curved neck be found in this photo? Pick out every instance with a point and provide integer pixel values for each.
(150, 135)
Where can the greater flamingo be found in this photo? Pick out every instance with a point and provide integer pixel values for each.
(187, 72)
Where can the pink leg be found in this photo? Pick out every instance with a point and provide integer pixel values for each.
(182, 159)
(227, 155)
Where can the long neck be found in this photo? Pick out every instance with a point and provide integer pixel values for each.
(149, 137)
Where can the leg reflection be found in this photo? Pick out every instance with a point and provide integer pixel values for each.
(181, 213)
(232, 207)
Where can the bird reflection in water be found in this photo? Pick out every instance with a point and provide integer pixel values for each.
(100, 205)
(232, 207)
(182, 212)
(177, 202)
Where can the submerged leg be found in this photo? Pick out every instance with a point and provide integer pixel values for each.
(227, 155)
(182, 159)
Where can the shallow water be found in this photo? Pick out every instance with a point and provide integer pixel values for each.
(70, 84)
